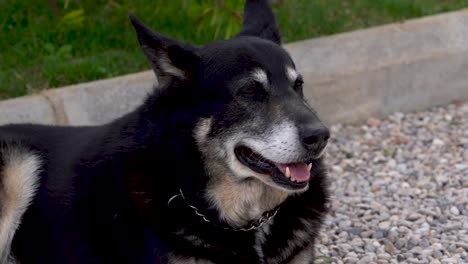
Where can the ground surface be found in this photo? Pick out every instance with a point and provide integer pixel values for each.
(58, 42)
(400, 190)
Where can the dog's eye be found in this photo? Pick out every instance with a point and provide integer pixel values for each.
(298, 85)
(254, 90)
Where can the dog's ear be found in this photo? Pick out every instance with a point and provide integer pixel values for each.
(168, 57)
(259, 20)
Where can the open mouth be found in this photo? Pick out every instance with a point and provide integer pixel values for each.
(293, 176)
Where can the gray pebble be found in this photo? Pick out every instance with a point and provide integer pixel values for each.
(366, 260)
(385, 256)
(413, 217)
(437, 254)
(350, 260)
(401, 243)
(384, 225)
(379, 234)
(454, 210)
(355, 231)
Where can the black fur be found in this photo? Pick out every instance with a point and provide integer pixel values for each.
(104, 190)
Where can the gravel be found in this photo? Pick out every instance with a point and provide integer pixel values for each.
(399, 190)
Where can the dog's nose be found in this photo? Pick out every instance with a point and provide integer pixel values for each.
(315, 136)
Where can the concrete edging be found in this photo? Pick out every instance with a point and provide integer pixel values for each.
(349, 77)
(83, 104)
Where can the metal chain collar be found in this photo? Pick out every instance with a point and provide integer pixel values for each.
(253, 225)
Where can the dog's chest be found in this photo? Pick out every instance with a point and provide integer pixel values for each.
(260, 238)
(218, 246)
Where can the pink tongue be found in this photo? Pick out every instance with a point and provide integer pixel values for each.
(299, 171)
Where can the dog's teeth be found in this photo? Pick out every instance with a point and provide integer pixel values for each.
(309, 166)
(287, 173)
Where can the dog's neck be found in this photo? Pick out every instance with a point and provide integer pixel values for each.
(239, 202)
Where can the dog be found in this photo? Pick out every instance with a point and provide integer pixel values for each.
(222, 163)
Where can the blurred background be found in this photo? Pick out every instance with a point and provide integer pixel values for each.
(52, 43)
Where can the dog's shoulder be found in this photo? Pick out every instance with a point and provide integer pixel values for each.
(27, 152)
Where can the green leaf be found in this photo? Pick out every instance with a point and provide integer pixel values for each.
(214, 18)
(73, 14)
(73, 19)
(65, 4)
(49, 48)
(229, 28)
(65, 51)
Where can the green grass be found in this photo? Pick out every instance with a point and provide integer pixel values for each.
(86, 40)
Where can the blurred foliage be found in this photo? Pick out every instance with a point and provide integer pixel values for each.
(58, 42)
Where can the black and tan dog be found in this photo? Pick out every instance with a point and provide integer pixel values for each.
(221, 164)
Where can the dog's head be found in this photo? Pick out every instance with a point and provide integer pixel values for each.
(254, 123)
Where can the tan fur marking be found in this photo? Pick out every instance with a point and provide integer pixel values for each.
(19, 182)
(260, 76)
(244, 200)
(291, 73)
